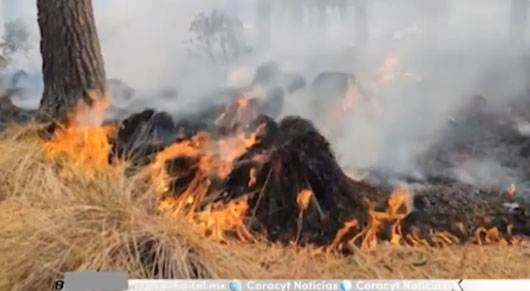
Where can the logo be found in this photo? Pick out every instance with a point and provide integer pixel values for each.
(345, 286)
(234, 285)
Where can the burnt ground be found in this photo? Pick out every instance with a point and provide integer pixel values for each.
(291, 155)
(447, 195)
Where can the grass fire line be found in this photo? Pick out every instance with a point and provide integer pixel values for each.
(250, 176)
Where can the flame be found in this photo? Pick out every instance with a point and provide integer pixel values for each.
(239, 113)
(88, 147)
(348, 225)
(214, 160)
(442, 239)
(491, 235)
(252, 180)
(399, 205)
(90, 116)
(303, 199)
(82, 137)
(218, 220)
(215, 156)
(187, 148)
(232, 147)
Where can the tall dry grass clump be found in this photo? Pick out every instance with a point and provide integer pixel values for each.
(57, 217)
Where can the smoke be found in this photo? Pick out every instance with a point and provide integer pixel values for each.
(448, 51)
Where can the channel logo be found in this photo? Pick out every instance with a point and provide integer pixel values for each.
(345, 286)
(234, 285)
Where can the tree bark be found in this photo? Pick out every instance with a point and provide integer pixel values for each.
(73, 69)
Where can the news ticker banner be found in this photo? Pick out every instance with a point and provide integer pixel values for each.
(116, 281)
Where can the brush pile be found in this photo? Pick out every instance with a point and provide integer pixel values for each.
(244, 175)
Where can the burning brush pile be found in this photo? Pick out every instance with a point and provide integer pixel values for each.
(245, 176)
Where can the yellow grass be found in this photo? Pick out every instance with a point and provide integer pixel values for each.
(54, 219)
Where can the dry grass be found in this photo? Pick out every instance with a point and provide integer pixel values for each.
(54, 218)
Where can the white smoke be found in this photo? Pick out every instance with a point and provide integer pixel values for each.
(457, 48)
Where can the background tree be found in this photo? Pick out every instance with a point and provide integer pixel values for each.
(15, 39)
(218, 34)
(72, 64)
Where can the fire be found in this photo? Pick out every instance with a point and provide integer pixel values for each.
(215, 156)
(348, 225)
(90, 116)
(231, 147)
(218, 220)
(303, 199)
(242, 102)
(303, 202)
(187, 148)
(237, 114)
(210, 160)
(88, 147)
(399, 205)
(252, 180)
(215, 159)
(489, 236)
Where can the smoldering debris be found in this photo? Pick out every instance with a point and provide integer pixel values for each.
(284, 183)
(142, 135)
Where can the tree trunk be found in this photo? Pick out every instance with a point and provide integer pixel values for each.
(73, 68)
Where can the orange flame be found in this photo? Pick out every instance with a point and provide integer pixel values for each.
(187, 148)
(217, 221)
(252, 180)
(303, 199)
(242, 102)
(215, 159)
(348, 225)
(491, 235)
(88, 147)
(238, 113)
(399, 205)
(85, 116)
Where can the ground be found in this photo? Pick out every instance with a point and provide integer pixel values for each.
(58, 214)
